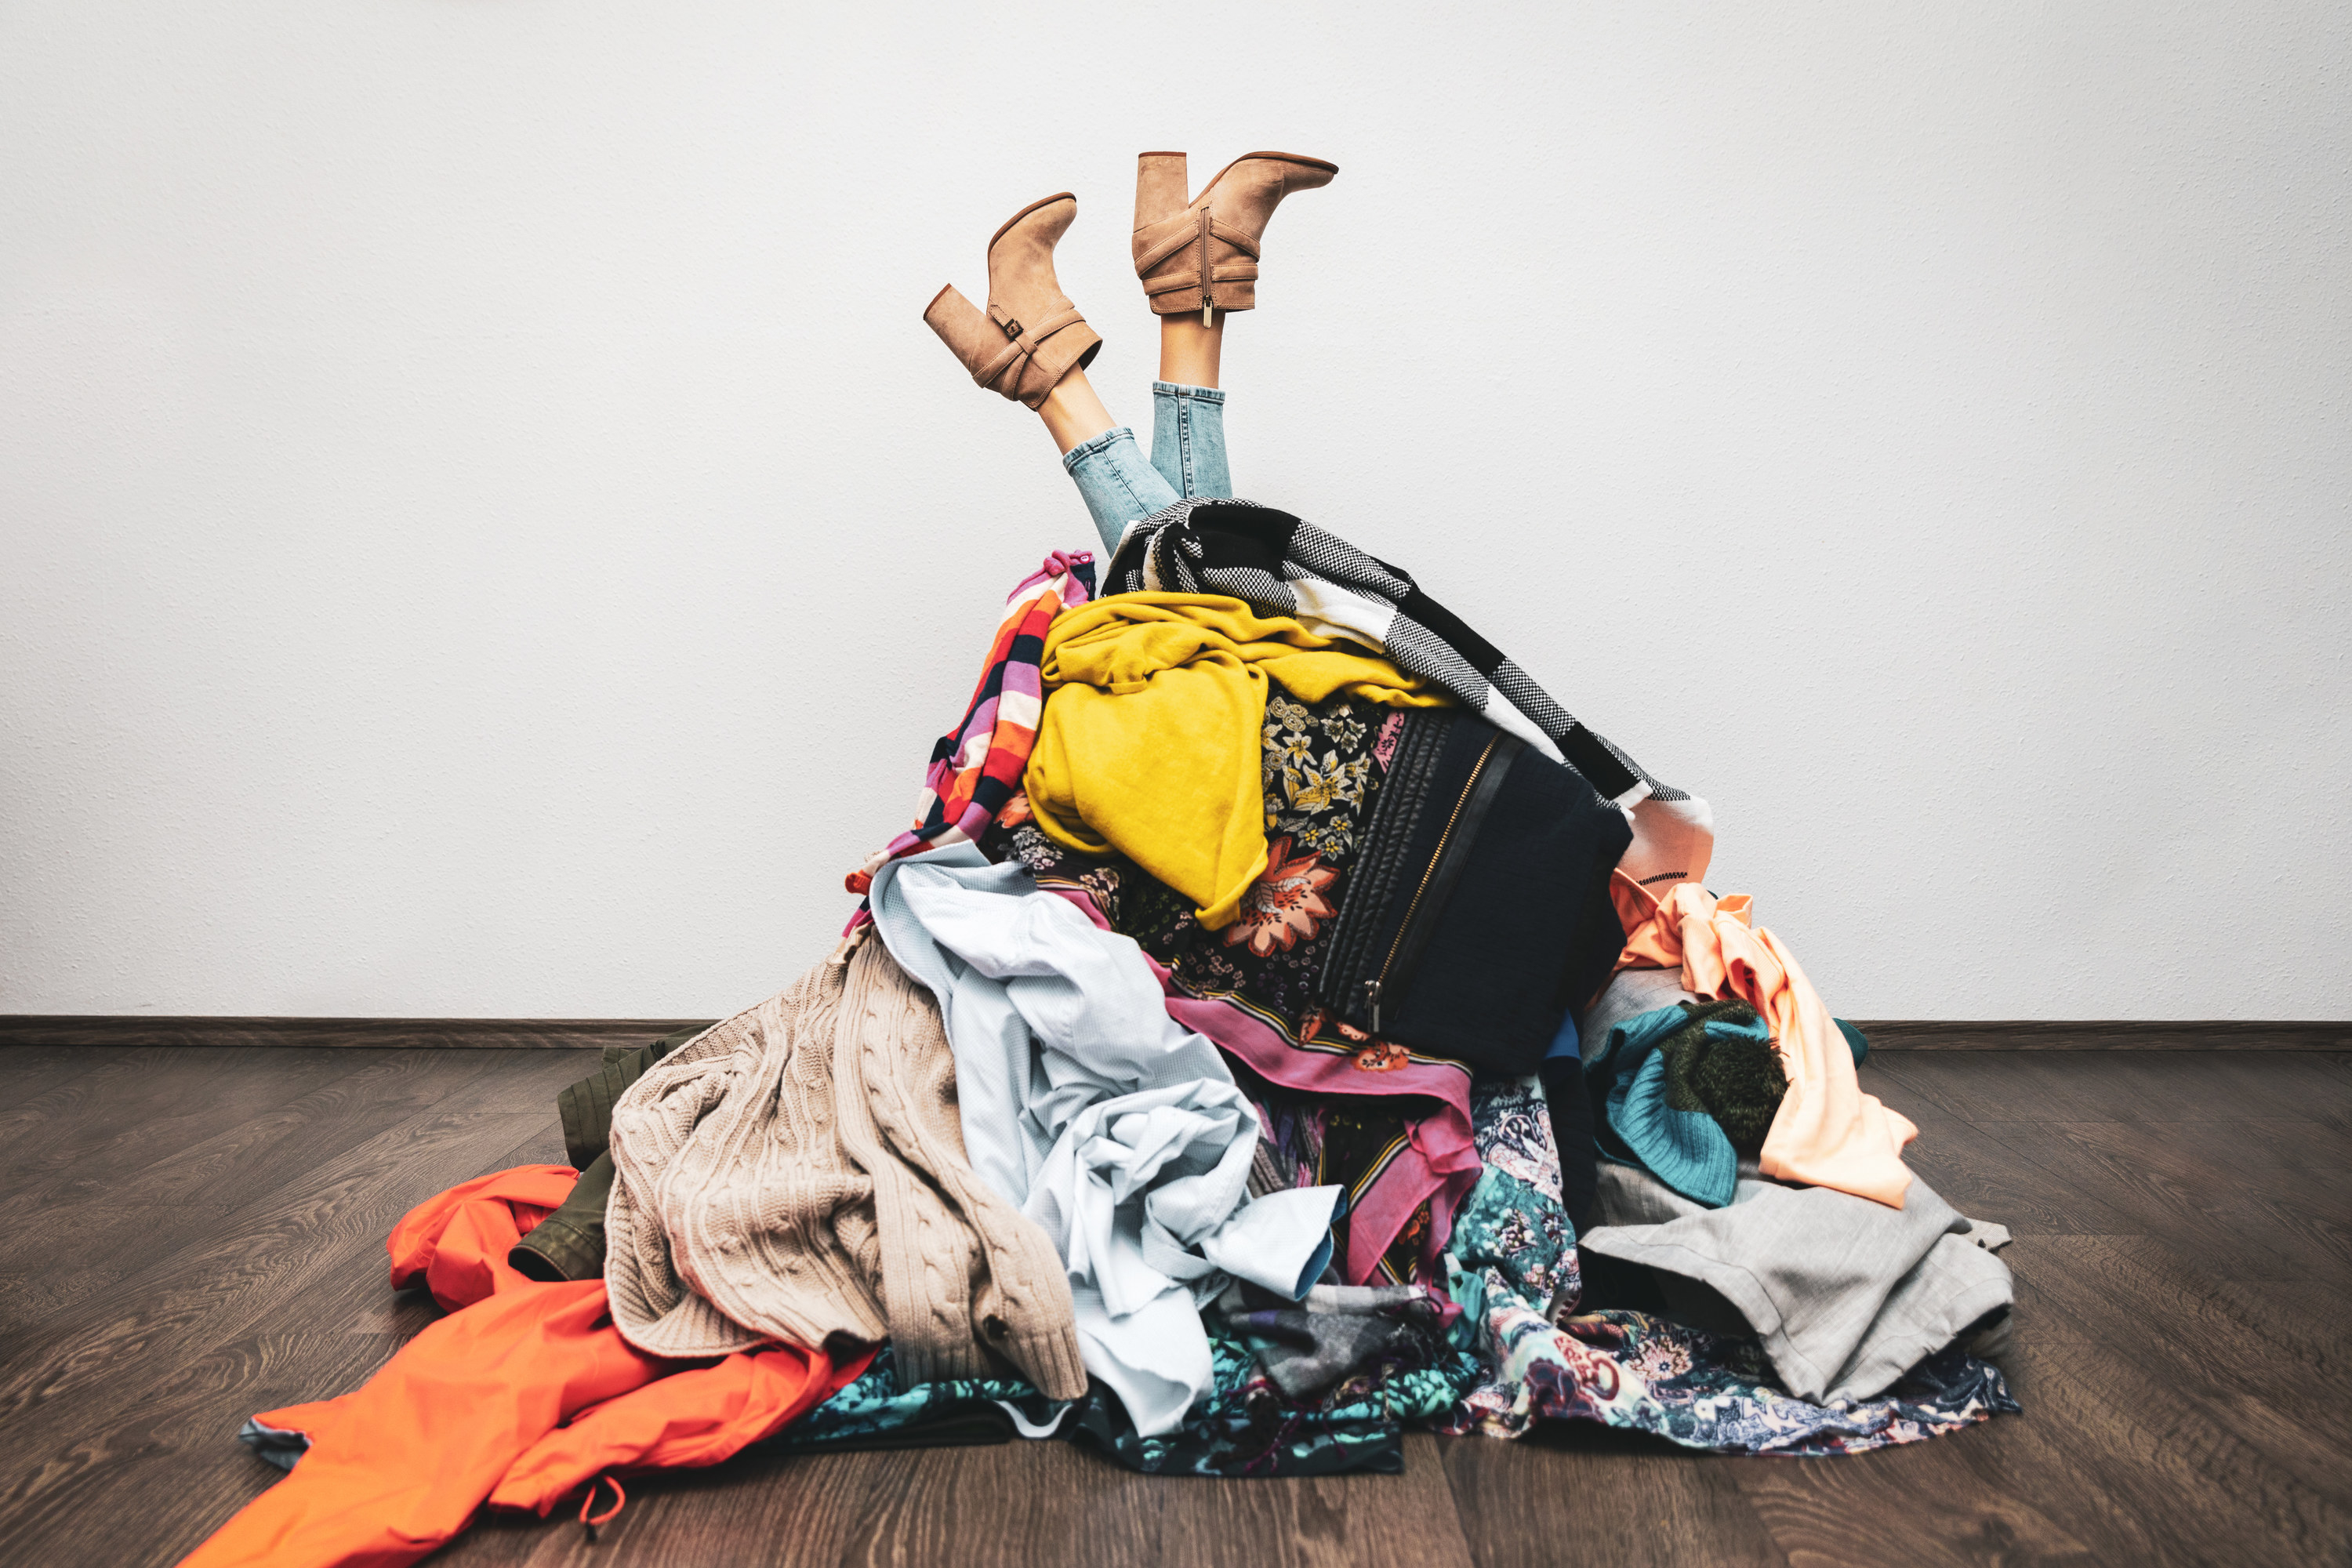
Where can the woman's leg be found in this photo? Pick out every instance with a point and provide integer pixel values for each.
(1189, 352)
(1188, 409)
(1188, 434)
(1116, 483)
(1198, 261)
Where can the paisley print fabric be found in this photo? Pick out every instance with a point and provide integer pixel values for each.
(1520, 1353)
(1511, 1126)
(1518, 1282)
(1247, 1428)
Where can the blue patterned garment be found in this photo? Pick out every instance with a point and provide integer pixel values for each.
(1517, 1355)
(1518, 1282)
(1247, 1428)
(872, 1406)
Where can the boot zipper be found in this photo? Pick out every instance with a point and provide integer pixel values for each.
(1373, 988)
(1207, 316)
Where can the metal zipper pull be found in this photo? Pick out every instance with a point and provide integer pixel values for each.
(1373, 1003)
(1208, 280)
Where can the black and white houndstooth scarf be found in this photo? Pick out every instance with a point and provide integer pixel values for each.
(1280, 567)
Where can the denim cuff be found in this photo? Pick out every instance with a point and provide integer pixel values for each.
(1093, 444)
(1205, 393)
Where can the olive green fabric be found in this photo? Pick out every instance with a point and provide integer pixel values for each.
(570, 1243)
(586, 1107)
(1729, 1074)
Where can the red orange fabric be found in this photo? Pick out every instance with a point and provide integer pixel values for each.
(455, 1244)
(525, 1392)
(697, 1417)
(1827, 1133)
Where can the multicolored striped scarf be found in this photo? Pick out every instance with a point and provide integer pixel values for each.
(977, 766)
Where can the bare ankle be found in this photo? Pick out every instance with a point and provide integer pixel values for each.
(1072, 412)
(1189, 351)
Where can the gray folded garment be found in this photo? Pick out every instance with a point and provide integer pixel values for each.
(1985, 1234)
(1846, 1294)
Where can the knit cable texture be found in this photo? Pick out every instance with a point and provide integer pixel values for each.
(799, 1171)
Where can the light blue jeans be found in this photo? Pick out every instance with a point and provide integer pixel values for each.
(1188, 460)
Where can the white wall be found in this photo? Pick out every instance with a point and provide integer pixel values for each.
(484, 529)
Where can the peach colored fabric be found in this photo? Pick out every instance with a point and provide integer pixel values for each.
(1827, 1133)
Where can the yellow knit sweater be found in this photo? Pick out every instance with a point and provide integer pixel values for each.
(1150, 740)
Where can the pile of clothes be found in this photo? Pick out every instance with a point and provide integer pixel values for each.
(1282, 1026)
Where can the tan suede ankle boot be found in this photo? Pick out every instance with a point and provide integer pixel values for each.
(1032, 335)
(1203, 256)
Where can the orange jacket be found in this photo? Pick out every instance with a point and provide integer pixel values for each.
(524, 1392)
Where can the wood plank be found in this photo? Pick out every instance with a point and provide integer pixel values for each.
(165, 1471)
(156, 1109)
(157, 1105)
(1375, 1520)
(360, 1299)
(49, 1273)
(1003, 1506)
(527, 1080)
(2185, 1309)
(2276, 1387)
(356, 1294)
(77, 1397)
(2122, 1086)
(95, 1218)
(2311, 1319)
(79, 1106)
(33, 1070)
(2111, 1374)
(2104, 1465)
(205, 1290)
(1529, 1503)
(1954, 1499)
(762, 1508)
(2171, 1180)
(2077, 1478)
(1985, 1179)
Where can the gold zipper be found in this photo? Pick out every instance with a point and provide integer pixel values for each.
(1373, 988)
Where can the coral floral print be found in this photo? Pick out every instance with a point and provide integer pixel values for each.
(1372, 1056)
(1286, 904)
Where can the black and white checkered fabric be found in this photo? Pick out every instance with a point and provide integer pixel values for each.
(1280, 567)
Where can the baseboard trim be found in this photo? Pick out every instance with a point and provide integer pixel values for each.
(2105, 1035)
(499, 1033)
(574, 1033)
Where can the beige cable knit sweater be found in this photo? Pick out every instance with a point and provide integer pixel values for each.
(798, 1171)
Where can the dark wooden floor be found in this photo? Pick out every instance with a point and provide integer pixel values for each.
(189, 1235)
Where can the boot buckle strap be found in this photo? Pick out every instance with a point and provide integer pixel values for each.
(1022, 342)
